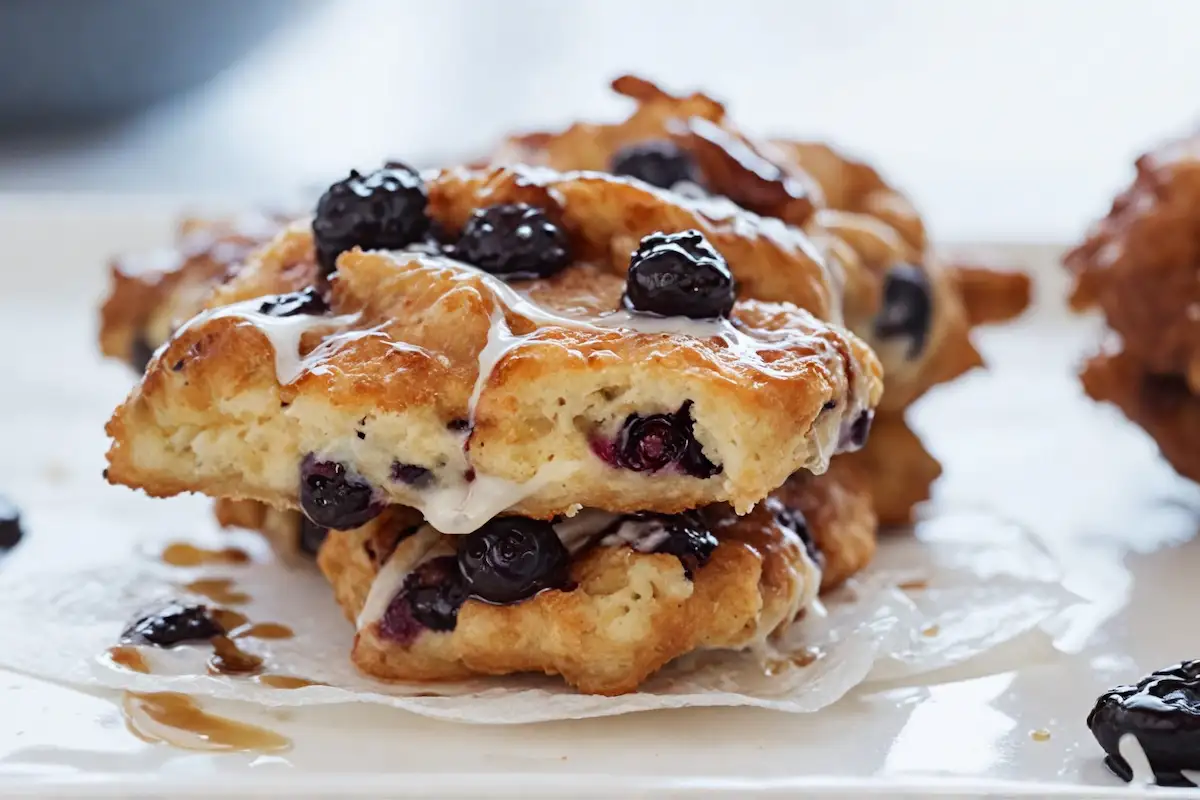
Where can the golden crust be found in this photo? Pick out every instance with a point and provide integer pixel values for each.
(149, 295)
(1139, 263)
(630, 613)
(897, 467)
(1163, 406)
(990, 295)
(211, 414)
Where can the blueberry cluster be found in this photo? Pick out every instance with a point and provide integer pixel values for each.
(655, 442)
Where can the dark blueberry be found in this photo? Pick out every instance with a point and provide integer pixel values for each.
(515, 239)
(793, 519)
(10, 525)
(173, 624)
(855, 435)
(413, 475)
(383, 210)
(308, 301)
(511, 559)
(140, 353)
(659, 163)
(907, 307)
(458, 425)
(334, 497)
(1163, 712)
(685, 536)
(650, 443)
(430, 599)
(679, 274)
(312, 536)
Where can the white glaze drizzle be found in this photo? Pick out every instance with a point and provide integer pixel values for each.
(407, 556)
(457, 506)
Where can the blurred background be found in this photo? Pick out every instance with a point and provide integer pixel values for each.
(1005, 120)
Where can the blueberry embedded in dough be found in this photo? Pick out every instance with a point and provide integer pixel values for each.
(907, 310)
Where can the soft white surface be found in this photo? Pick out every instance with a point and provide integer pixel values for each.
(1020, 445)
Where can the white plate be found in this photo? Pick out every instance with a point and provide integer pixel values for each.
(1018, 441)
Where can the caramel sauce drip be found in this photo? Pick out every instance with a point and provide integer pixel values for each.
(286, 681)
(776, 666)
(182, 554)
(175, 719)
(128, 657)
(219, 590)
(228, 619)
(914, 586)
(229, 659)
(262, 630)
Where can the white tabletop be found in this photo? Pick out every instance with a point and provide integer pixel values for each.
(1013, 120)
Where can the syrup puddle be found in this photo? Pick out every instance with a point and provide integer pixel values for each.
(127, 657)
(175, 719)
(777, 666)
(182, 554)
(218, 589)
(229, 659)
(262, 630)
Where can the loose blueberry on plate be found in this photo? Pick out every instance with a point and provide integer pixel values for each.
(679, 274)
(659, 162)
(511, 559)
(383, 210)
(907, 307)
(516, 240)
(653, 442)
(312, 536)
(174, 623)
(1163, 712)
(334, 497)
(430, 599)
(793, 519)
(308, 301)
(685, 536)
(10, 525)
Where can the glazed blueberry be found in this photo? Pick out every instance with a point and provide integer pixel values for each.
(679, 274)
(511, 559)
(660, 163)
(516, 240)
(430, 599)
(651, 443)
(312, 536)
(685, 536)
(308, 301)
(855, 436)
(1163, 712)
(382, 210)
(334, 497)
(411, 474)
(10, 525)
(173, 624)
(793, 519)
(907, 307)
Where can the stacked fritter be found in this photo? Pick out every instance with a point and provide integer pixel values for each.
(536, 417)
(1140, 266)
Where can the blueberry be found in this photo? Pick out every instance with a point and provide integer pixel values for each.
(511, 559)
(10, 525)
(140, 353)
(793, 519)
(382, 210)
(173, 624)
(312, 536)
(334, 497)
(416, 476)
(430, 599)
(907, 307)
(685, 536)
(1163, 712)
(308, 301)
(651, 443)
(679, 274)
(658, 162)
(855, 436)
(517, 240)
